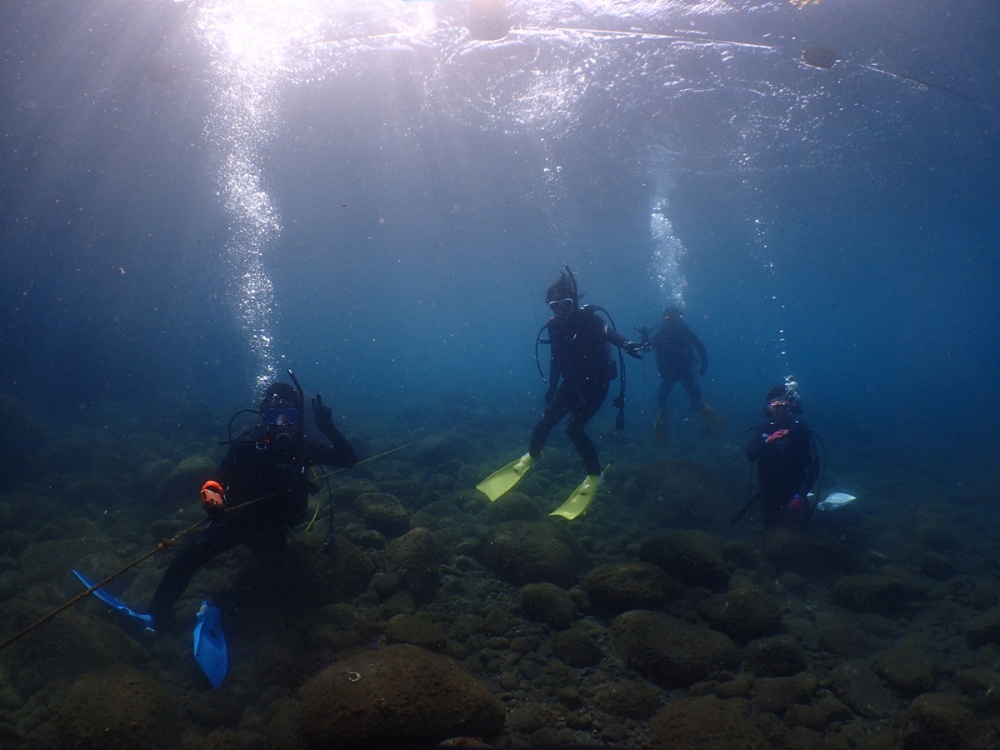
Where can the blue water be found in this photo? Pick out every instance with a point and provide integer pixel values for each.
(400, 196)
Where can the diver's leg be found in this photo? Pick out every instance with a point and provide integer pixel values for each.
(660, 429)
(590, 400)
(214, 540)
(690, 384)
(553, 414)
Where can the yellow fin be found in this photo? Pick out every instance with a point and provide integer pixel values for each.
(715, 424)
(502, 480)
(581, 498)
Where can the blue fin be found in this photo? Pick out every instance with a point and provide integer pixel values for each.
(210, 644)
(115, 603)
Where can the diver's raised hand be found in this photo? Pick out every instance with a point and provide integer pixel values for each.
(323, 413)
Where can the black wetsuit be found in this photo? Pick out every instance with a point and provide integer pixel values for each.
(786, 466)
(676, 345)
(580, 368)
(254, 468)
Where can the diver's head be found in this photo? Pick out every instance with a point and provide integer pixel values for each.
(783, 402)
(562, 297)
(673, 314)
(281, 408)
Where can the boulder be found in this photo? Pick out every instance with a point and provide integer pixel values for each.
(742, 614)
(669, 651)
(938, 722)
(327, 574)
(416, 559)
(577, 648)
(707, 724)
(383, 512)
(523, 552)
(692, 557)
(117, 709)
(858, 687)
(416, 631)
(777, 656)
(546, 602)
(398, 695)
(885, 592)
(908, 667)
(619, 587)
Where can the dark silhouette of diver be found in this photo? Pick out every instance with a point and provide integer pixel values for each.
(678, 349)
(259, 491)
(580, 370)
(787, 461)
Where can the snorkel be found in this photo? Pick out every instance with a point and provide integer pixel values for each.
(302, 402)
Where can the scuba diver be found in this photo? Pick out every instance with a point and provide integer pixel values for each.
(787, 461)
(259, 491)
(580, 369)
(677, 349)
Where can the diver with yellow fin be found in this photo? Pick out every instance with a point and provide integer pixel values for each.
(677, 349)
(580, 370)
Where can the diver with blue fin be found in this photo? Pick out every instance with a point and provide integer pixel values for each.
(259, 491)
(580, 370)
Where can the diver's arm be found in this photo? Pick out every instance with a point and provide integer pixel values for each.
(345, 456)
(629, 347)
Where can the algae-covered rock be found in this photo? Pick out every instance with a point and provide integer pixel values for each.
(524, 552)
(118, 709)
(416, 559)
(692, 557)
(707, 724)
(416, 631)
(325, 574)
(383, 512)
(885, 592)
(742, 614)
(546, 602)
(619, 587)
(669, 651)
(938, 722)
(398, 695)
(777, 656)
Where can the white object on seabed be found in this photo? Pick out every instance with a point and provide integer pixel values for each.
(835, 501)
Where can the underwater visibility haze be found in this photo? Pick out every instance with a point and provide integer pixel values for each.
(198, 195)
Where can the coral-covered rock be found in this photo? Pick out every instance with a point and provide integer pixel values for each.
(707, 724)
(629, 698)
(524, 552)
(983, 629)
(416, 558)
(324, 574)
(398, 695)
(857, 686)
(790, 548)
(619, 587)
(742, 614)
(546, 602)
(778, 694)
(417, 631)
(383, 512)
(692, 557)
(908, 667)
(577, 648)
(671, 652)
(778, 656)
(938, 722)
(118, 709)
(885, 592)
